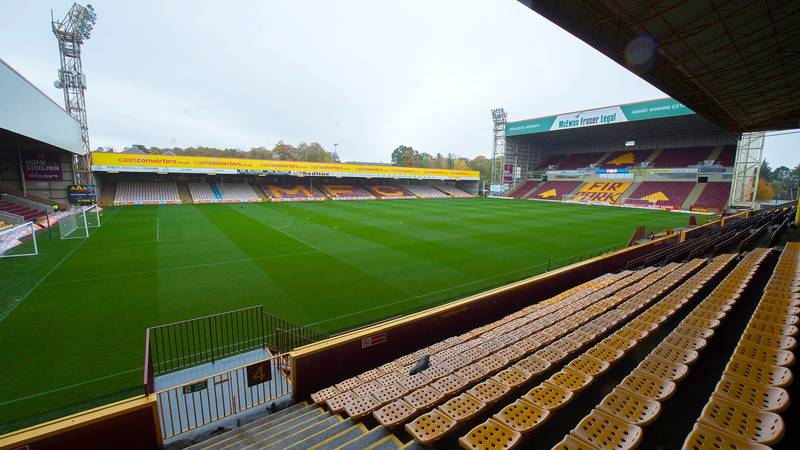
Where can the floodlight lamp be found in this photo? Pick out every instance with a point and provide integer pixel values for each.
(630, 143)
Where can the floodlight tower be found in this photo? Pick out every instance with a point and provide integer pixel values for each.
(70, 32)
(499, 147)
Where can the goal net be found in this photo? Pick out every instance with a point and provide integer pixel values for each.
(18, 240)
(638, 202)
(79, 220)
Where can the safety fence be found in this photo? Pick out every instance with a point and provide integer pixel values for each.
(204, 401)
(192, 342)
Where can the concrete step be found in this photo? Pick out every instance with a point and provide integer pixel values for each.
(289, 437)
(283, 429)
(341, 437)
(389, 442)
(322, 435)
(184, 194)
(370, 437)
(691, 199)
(262, 424)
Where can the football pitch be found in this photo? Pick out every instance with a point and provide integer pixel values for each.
(73, 319)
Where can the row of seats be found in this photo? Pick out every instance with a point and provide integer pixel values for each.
(292, 192)
(713, 198)
(23, 211)
(517, 345)
(532, 409)
(453, 191)
(389, 192)
(743, 410)
(146, 193)
(530, 319)
(425, 191)
(667, 158)
(665, 194)
(619, 421)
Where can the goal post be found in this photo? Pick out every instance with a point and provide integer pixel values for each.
(14, 241)
(638, 202)
(78, 221)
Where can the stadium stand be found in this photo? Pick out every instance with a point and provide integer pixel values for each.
(682, 157)
(714, 197)
(453, 191)
(346, 192)
(664, 194)
(551, 160)
(389, 192)
(523, 189)
(579, 160)
(553, 190)
(601, 191)
(203, 193)
(425, 191)
(622, 159)
(291, 193)
(238, 192)
(16, 209)
(727, 156)
(146, 193)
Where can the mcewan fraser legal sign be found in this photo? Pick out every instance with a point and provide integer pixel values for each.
(123, 162)
(651, 109)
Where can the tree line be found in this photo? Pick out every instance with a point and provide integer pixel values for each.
(312, 152)
(781, 183)
(408, 157)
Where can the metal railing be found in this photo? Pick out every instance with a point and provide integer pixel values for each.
(192, 342)
(192, 405)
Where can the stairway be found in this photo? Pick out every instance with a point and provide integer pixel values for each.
(108, 191)
(715, 153)
(697, 190)
(303, 426)
(653, 156)
(631, 189)
(184, 194)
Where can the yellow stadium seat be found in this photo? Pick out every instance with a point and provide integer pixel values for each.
(490, 435)
(692, 332)
(321, 396)
(630, 407)
(772, 328)
(648, 386)
(348, 384)
(358, 407)
(533, 365)
(548, 396)
(437, 371)
(462, 408)
(704, 437)
(567, 345)
(472, 372)
(551, 355)
(631, 334)
(675, 354)
(605, 431)
(682, 341)
(661, 368)
(618, 343)
(512, 377)
(493, 363)
(778, 341)
(511, 353)
(430, 427)
(366, 389)
(605, 353)
(449, 385)
(394, 413)
(758, 372)
(777, 318)
(337, 403)
(765, 355)
(392, 377)
(385, 394)
(522, 416)
(424, 397)
(588, 365)
(489, 391)
(581, 337)
(571, 443)
(570, 380)
(745, 423)
(371, 375)
(765, 398)
(697, 322)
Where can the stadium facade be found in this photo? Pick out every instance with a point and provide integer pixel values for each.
(653, 141)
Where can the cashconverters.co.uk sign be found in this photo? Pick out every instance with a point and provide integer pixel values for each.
(651, 109)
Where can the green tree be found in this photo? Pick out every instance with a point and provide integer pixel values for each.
(405, 156)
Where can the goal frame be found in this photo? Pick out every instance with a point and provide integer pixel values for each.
(83, 224)
(16, 229)
(653, 203)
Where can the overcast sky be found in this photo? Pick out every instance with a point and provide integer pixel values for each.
(369, 75)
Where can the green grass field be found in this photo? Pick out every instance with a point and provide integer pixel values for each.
(72, 320)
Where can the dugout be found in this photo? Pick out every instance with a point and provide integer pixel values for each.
(40, 143)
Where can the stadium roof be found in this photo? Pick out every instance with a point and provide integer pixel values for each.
(650, 119)
(26, 111)
(736, 63)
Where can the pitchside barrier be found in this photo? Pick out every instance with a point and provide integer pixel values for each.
(197, 341)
